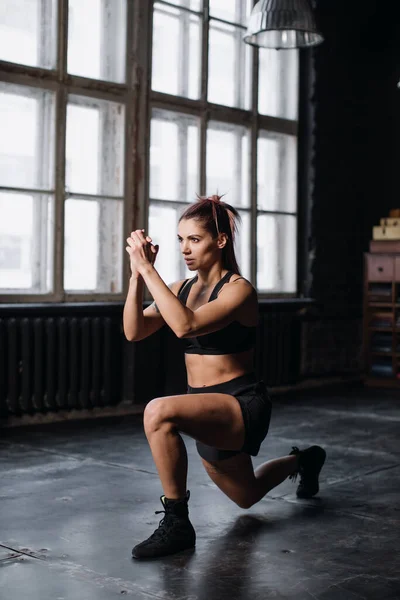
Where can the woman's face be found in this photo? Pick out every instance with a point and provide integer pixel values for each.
(200, 250)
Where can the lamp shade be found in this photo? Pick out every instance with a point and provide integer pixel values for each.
(282, 24)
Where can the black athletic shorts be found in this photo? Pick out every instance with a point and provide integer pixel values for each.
(256, 407)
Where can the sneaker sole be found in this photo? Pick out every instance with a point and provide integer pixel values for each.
(189, 549)
(304, 494)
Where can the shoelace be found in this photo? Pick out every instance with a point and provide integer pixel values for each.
(163, 527)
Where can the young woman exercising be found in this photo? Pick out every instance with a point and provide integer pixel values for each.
(226, 409)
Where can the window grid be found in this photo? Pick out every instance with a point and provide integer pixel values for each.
(207, 111)
(67, 88)
(139, 100)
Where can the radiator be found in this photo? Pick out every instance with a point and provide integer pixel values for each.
(65, 357)
(59, 363)
(278, 348)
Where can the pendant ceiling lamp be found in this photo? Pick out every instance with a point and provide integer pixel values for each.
(282, 24)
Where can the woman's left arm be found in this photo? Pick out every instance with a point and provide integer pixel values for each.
(183, 321)
(210, 317)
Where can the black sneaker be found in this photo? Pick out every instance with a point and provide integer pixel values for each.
(311, 462)
(174, 533)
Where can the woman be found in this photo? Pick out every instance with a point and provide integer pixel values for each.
(226, 410)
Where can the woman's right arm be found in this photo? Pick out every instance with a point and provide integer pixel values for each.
(139, 323)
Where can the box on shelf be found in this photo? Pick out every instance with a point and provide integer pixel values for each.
(380, 292)
(382, 319)
(386, 233)
(390, 222)
(381, 369)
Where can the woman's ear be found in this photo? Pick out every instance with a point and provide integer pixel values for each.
(222, 240)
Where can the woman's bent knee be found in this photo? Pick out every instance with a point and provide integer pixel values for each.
(156, 413)
(235, 478)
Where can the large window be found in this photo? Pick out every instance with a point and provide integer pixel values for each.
(113, 116)
(63, 104)
(239, 140)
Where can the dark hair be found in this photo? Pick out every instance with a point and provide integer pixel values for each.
(217, 217)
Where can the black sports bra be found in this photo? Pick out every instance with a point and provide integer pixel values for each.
(231, 339)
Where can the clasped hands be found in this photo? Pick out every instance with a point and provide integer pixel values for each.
(141, 250)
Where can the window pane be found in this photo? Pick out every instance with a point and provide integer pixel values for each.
(229, 66)
(278, 83)
(174, 156)
(27, 137)
(97, 39)
(276, 253)
(28, 32)
(243, 244)
(176, 52)
(235, 11)
(163, 229)
(277, 172)
(93, 250)
(26, 242)
(192, 4)
(228, 162)
(95, 146)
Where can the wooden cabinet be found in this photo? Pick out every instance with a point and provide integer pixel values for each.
(382, 320)
(380, 267)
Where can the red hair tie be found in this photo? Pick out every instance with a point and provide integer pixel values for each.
(214, 199)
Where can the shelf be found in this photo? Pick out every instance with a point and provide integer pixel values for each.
(390, 382)
(381, 304)
(381, 322)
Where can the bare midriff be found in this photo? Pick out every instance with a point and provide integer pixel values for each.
(205, 369)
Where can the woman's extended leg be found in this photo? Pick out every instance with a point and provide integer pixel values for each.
(236, 477)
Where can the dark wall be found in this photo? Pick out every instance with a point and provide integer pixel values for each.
(356, 143)
(355, 155)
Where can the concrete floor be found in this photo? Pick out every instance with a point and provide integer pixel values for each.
(75, 498)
